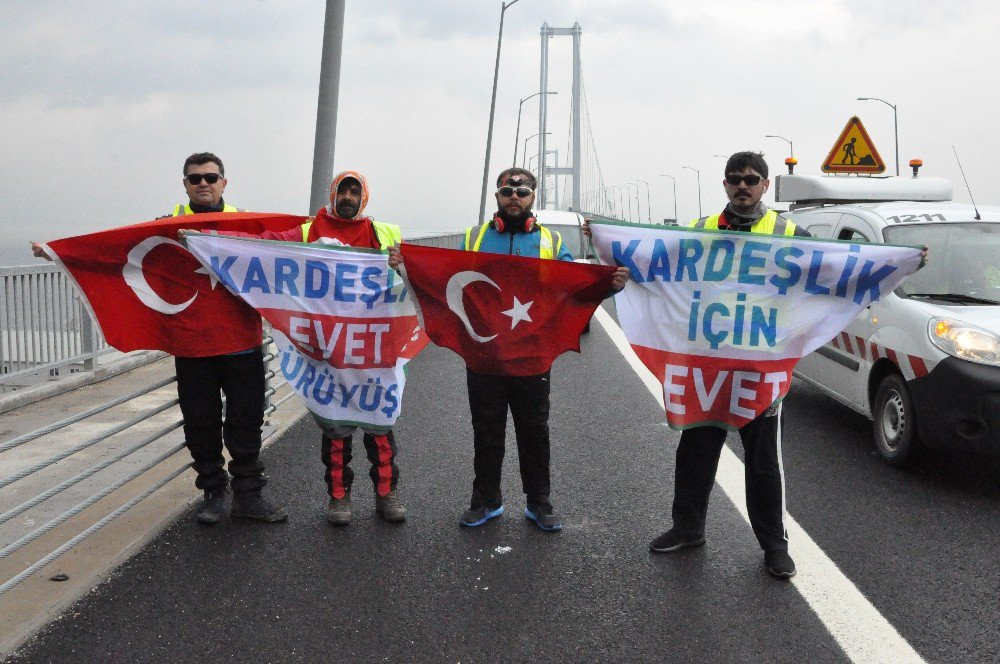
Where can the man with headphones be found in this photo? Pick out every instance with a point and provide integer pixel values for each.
(513, 230)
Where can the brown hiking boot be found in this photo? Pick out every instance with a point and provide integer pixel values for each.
(338, 512)
(390, 507)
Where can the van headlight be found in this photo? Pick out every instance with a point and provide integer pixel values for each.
(965, 341)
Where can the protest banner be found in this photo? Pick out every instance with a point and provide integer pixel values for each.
(721, 318)
(342, 320)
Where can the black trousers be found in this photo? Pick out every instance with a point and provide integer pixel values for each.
(201, 382)
(381, 450)
(697, 461)
(527, 397)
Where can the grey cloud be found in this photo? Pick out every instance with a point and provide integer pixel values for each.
(451, 18)
(138, 49)
(152, 47)
(873, 17)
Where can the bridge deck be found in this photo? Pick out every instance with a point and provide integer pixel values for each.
(429, 590)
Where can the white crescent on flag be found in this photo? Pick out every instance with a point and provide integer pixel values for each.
(135, 277)
(453, 295)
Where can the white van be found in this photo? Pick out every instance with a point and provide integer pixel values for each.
(923, 362)
(570, 228)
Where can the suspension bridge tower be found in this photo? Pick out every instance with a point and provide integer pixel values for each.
(573, 169)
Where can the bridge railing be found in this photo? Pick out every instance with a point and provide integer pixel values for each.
(45, 327)
(146, 444)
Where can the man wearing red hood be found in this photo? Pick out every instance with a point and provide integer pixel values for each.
(341, 222)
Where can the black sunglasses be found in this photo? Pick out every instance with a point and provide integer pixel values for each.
(522, 192)
(751, 180)
(195, 178)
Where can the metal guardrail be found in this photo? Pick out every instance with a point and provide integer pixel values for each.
(443, 241)
(44, 324)
(113, 457)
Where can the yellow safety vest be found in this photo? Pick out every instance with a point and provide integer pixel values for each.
(183, 209)
(546, 247)
(771, 223)
(388, 234)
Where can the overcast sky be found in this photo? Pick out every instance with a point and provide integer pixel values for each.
(101, 102)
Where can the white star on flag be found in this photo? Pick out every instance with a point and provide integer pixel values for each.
(210, 274)
(518, 312)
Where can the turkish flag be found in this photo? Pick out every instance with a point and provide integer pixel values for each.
(505, 315)
(148, 293)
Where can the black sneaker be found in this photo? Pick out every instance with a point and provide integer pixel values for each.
(672, 541)
(779, 564)
(256, 506)
(543, 516)
(477, 516)
(213, 507)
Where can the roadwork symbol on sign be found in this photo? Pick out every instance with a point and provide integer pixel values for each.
(853, 152)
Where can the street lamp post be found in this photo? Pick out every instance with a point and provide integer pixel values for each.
(638, 211)
(649, 217)
(493, 108)
(517, 134)
(895, 123)
(621, 201)
(691, 168)
(555, 193)
(791, 150)
(607, 202)
(674, 180)
(524, 152)
(326, 105)
(615, 205)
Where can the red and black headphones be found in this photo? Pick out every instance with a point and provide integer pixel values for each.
(501, 225)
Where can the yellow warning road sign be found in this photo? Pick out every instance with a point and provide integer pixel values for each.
(853, 152)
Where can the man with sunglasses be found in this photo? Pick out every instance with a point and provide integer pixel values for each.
(513, 230)
(700, 447)
(239, 376)
(204, 181)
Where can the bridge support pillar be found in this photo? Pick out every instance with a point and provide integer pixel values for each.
(574, 168)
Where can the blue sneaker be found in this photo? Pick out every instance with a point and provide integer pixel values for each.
(543, 516)
(477, 516)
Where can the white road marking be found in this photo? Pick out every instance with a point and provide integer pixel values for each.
(861, 631)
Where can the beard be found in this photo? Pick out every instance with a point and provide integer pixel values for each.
(514, 220)
(347, 210)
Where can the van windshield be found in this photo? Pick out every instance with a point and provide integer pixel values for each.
(571, 237)
(963, 261)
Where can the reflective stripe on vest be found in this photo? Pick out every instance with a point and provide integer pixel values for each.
(388, 234)
(551, 251)
(771, 223)
(183, 209)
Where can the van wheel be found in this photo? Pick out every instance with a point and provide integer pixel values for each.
(894, 421)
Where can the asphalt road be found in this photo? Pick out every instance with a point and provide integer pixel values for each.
(921, 545)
